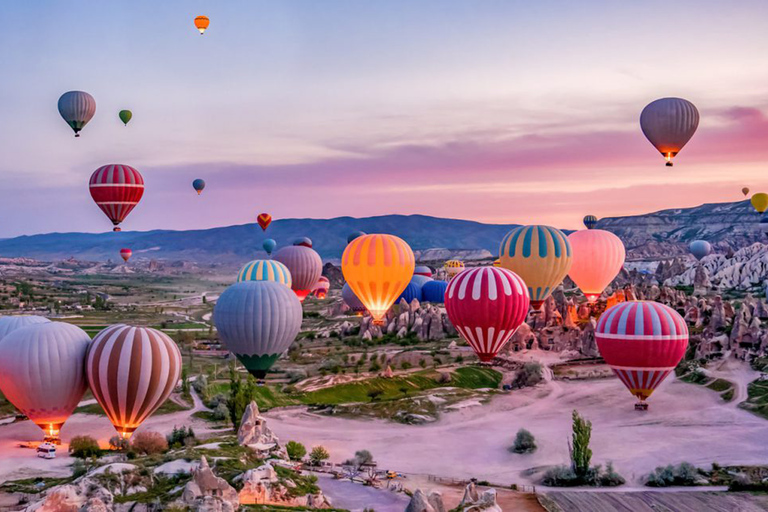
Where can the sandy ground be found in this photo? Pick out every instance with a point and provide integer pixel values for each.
(357, 497)
(685, 422)
(17, 462)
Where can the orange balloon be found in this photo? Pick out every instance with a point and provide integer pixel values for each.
(378, 268)
(201, 23)
(598, 257)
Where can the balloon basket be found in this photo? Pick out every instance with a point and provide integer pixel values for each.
(116, 229)
(669, 164)
(52, 440)
(641, 406)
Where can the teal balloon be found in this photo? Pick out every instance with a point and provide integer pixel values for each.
(269, 245)
(265, 270)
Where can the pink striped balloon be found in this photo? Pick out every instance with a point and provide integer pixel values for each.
(487, 305)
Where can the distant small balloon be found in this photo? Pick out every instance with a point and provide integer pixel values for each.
(77, 108)
(126, 254)
(700, 249)
(590, 221)
(353, 235)
(198, 185)
(269, 246)
(303, 241)
(745, 191)
(125, 116)
(264, 220)
(201, 23)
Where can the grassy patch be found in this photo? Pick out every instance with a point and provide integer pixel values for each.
(757, 401)
(720, 385)
(32, 485)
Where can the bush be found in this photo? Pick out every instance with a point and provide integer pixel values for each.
(684, 474)
(79, 468)
(529, 375)
(405, 365)
(611, 478)
(318, 455)
(82, 447)
(361, 457)
(118, 443)
(149, 443)
(221, 412)
(180, 437)
(296, 451)
(560, 476)
(524, 442)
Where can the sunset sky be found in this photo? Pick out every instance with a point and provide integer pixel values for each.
(491, 110)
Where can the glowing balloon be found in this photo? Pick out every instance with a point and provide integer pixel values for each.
(198, 185)
(305, 266)
(434, 291)
(598, 257)
(669, 123)
(126, 254)
(42, 368)
(760, 202)
(540, 255)
(354, 235)
(77, 108)
(8, 324)
(265, 270)
(320, 290)
(377, 268)
(131, 372)
(745, 191)
(700, 248)
(453, 267)
(269, 246)
(486, 305)
(125, 116)
(257, 321)
(116, 189)
(264, 220)
(201, 23)
(642, 342)
(590, 221)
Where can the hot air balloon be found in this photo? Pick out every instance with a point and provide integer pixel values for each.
(351, 300)
(642, 342)
(116, 189)
(377, 268)
(486, 305)
(131, 372)
(126, 254)
(497, 262)
(257, 321)
(303, 241)
(305, 265)
(434, 291)
(201, 23)
(264, 220)
(745, 191)
(411, 292)
(77, 108)
(422, 270)
(8, 324)
(453, 267)
(198, 185)
(598, 257)
(43, 374)
(700, 248)
(269, 246)
(320, 290)
(354, 235)
(420, 280)
(125, 116)
(540, 255)
(265, 270)
(590, 221)
(669, 123)
(760, 202)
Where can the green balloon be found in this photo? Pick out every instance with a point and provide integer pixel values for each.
(125, 116)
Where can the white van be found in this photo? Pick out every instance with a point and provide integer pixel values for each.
(46, 451)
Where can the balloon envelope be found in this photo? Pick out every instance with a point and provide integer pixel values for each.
(378, 268)
(201, 23)
(305, 266)
(320, 290)
(43, 375)
(265, 270)
(434, 291)
(351, 300)
(590, 221)
(354, 235)
(486, 305)
(126, 254)
(453, 267)
(269, 245)
(745, 191)
(77, 108)
(422, 270)
(257, 321)
(305, 241)
(700, 248)
(198, 185)
(669, 123)
(760, 202)
(131, 372)
(116, 189)
(411, 292)
(598, 257)
(642, 342)
(264, 220)
(125, 116)
(8, 324)
(540, 255)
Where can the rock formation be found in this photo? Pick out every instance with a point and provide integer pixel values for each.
(255, 433)
(421, 502)
(208, 492)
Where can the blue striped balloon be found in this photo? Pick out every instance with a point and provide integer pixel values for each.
(265, 270)
(412, 291)
(590, 221)
(434, 291)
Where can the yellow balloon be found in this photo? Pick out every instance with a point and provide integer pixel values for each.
(541, 255)
(760, 202)
(378, 268)
(453, 267)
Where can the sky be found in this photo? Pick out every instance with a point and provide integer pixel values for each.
(500, 111)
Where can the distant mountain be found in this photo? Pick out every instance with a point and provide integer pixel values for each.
(233, 244)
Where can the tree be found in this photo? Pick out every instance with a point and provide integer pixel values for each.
(581, 454)
(184, 381)
(296, 451)
(149, 443)
(374, 394)
(318, 455)
(241, 393)
(524, 442)
(83, 447)
(361, 458)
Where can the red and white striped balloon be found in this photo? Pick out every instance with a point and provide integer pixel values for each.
(487, 305)
(116, 189)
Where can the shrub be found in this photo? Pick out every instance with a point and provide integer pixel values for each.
(180, 437)
(361, 457)
(82, 447)
(318, 455)
(296, 451)
(221, 412)
(560, 476)
(529, 375)
(118, 443)
(524, 442)
(79, 468)
(374, 394)
(149, 443)
(684, 474)
(611, 478)
(405, 365)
